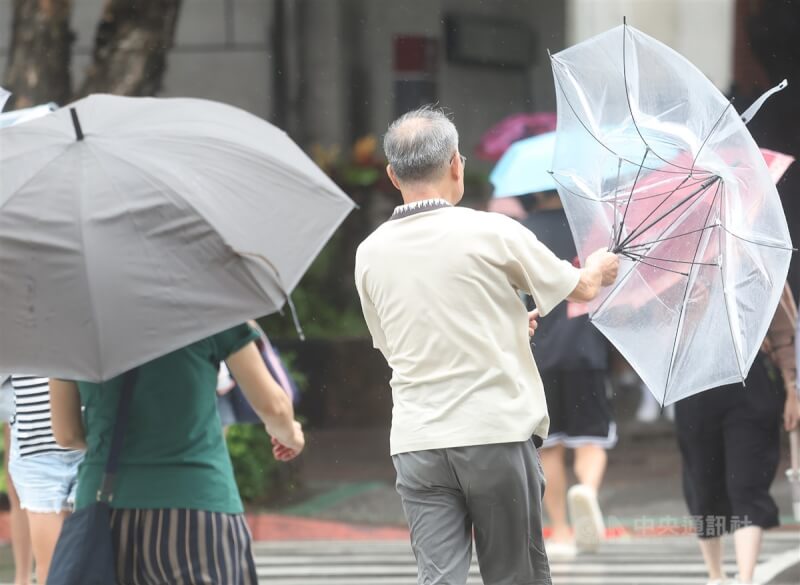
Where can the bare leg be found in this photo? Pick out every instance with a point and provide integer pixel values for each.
(748, 547)
(590, 465)
(555, 495)
(20, 534)
(712, 555)
(45, 528)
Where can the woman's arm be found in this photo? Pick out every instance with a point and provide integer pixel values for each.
(65, 411)
(268, 399)
(780, 346)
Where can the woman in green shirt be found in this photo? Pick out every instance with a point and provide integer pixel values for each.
(177, 516)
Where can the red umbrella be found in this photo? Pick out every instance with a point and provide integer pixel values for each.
(499, 137)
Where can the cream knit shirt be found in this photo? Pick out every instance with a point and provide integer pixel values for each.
(439, 288)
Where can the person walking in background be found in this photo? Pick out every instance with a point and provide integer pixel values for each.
(572, 357)
(729, 439)
(174, 468)
(232, 403)
(20, 531)
(43, 473)
(439, 286)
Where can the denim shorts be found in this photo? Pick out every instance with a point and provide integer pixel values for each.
(45, 483)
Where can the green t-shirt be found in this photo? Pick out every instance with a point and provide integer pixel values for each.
(174, 454)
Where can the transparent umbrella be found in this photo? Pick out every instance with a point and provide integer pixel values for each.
(653, 162)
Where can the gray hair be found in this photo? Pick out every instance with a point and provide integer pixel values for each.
(420, 143)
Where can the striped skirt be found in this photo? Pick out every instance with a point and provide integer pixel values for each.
(182, 547)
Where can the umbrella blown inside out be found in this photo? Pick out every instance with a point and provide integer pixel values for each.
(652, 162)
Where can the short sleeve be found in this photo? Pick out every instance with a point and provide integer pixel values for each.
(535, 269)
(232, 340)
(367, 307)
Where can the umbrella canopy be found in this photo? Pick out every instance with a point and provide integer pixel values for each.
(130, 227)
(19, 116)
(653, 162)
(525, 167)
(497, 139)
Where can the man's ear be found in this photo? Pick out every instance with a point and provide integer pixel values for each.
(393, 177)
(455, 171)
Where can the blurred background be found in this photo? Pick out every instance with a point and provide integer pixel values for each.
(333, 74)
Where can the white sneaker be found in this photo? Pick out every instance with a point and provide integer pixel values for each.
(585, 517)
(560, 551)
(718, 582)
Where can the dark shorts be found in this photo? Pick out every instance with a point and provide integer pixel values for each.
(729, 439)
(495, 491)
(182, 546)
(580, 412)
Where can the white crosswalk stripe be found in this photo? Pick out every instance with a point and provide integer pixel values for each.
(643, 561)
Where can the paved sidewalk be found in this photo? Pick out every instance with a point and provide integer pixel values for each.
(352, 475)
(352, 498)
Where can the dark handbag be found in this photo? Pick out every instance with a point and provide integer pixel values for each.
(84, 553)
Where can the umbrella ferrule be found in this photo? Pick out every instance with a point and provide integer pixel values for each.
(76, 123)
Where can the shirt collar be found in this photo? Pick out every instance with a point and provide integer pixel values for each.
(408, 209)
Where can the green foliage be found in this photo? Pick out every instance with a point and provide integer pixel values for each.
(259, 476)
(255, 468)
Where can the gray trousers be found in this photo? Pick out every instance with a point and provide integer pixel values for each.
(495, 490)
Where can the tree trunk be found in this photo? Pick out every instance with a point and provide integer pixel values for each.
(131, 45)
(40, 53)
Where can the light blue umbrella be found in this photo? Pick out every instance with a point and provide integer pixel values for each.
(19, 116)
(524, 168)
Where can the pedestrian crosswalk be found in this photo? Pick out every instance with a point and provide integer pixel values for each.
(640, 561)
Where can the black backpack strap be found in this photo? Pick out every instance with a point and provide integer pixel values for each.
(106, 491)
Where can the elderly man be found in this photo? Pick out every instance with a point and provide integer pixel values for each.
(440, 290)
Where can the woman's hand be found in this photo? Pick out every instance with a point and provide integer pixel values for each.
(287, 448)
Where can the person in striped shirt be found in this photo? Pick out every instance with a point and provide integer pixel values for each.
(44, 474)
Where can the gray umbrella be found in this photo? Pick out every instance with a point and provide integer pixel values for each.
(130, 227)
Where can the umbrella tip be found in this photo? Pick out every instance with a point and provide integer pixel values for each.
(624, 21)
(76, 124)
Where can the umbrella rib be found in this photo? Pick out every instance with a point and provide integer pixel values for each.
(624, 279)
(757, 243)
(694, 194)
(645, 256)
(656, 208)
(158, 183)
(604, 145)
(628, 202)
(736, 349)
(630, 108)
(89, 288)
(614, 206)
(662, 193)
(615, 199)
(710, 133)
(682, 315)
(34, 176)
(651, 242)
(639, 259)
